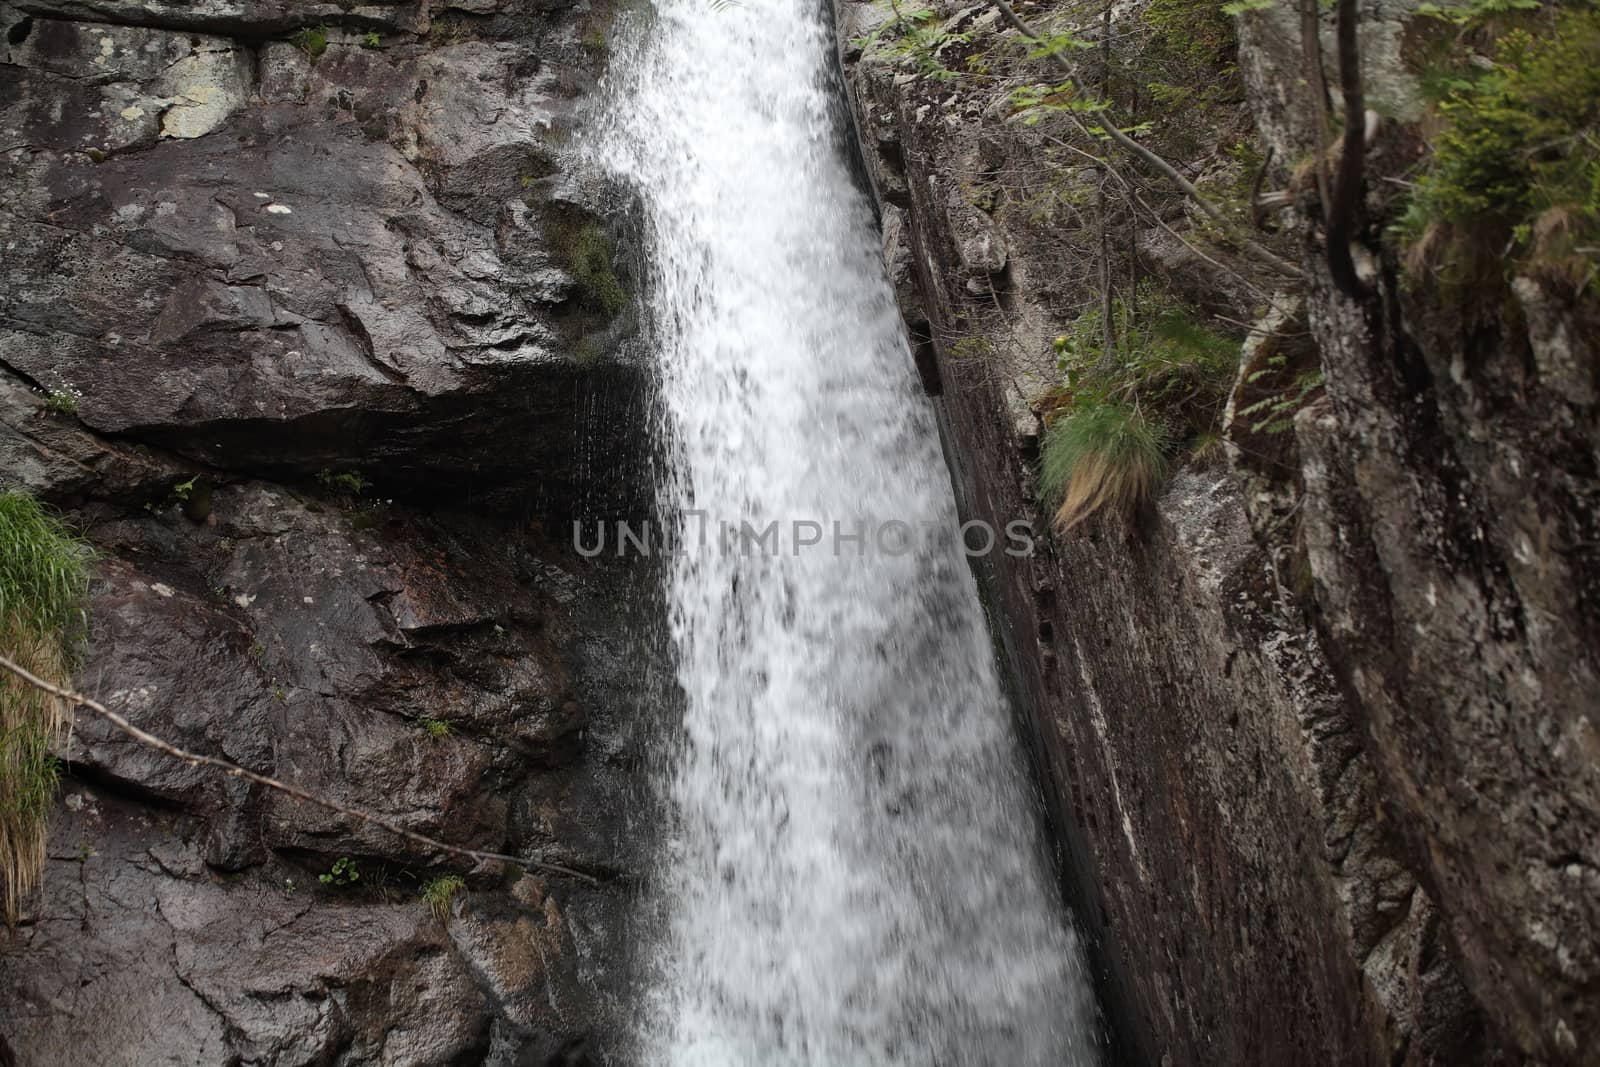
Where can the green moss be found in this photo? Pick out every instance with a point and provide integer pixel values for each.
(587, 254)
(1516, 159)
(350, 482)
(596, 46)
(313, 41)
(44, 579)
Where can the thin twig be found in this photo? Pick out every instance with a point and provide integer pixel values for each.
(1167, 170)
(195, 759)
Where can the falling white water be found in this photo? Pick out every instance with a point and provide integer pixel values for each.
(855, 876)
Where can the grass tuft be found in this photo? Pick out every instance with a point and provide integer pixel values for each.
(44, 579)
(1101, 454)
(439, 893)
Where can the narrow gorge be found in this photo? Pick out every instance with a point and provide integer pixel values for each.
(842, 533)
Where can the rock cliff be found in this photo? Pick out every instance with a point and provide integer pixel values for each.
(299, 321)
(1318, 727)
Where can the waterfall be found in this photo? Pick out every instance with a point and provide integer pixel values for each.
(854, 874)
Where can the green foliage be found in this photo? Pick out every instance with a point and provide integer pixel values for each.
(1242, 7)
(62, 401)
(44, 579)
(1100, 454)
(440, 892)
(913, 35)
(371, 40)
(350, 482)
(313, 41)
(342, 873)
(434, 728)
(1166, 361)
(1034, 102)
(1516, 159)
(596, 46)
(182, 490)
(1274, 413)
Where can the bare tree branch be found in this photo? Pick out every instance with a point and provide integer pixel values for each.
(1167, 170)
(195, 759)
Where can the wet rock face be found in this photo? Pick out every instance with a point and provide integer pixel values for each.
(1317, 728)
(335, 398)
(344, 243)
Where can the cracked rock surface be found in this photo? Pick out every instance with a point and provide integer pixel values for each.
(329, 426)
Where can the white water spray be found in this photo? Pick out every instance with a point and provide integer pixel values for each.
(855, 876)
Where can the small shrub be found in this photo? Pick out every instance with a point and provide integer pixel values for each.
(439, 893)
(342, 873)
(44, 579)
(434, 728)
(1514, 183)
(371, 40)
(313, 41)
(1100, 454)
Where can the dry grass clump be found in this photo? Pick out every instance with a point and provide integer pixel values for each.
(43, 580)
(1100, 455)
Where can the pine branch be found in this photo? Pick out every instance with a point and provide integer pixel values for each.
(195, 759)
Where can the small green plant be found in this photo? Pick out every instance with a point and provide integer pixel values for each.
(350, 482)
(289, 887)
(279, 693)
(182, 490)
(63, 401)
(434, 728)
(342, 873)
(440, 892)
(313, 41)
(371, 40)
(1100, 454)
(44, 579)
